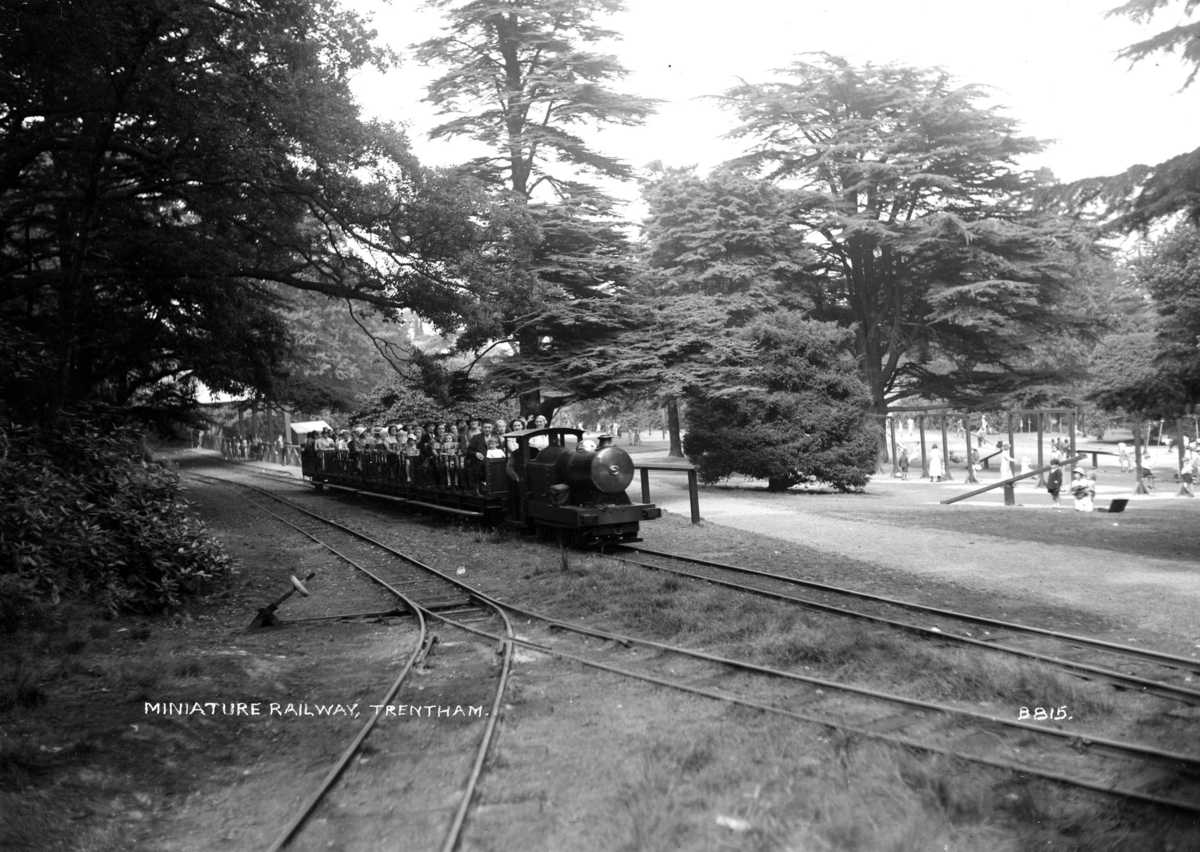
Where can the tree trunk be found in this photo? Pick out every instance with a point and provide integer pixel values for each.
(531, 404)
(873, 376)
(676, 451)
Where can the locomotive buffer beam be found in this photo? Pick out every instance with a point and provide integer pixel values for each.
(266, 615)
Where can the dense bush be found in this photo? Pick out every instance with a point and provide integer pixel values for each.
(794, 415)
(86, 516)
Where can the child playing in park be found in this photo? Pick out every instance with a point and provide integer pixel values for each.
(1083, 489)
(1187, 474)
(902, 461)
(1054, 482)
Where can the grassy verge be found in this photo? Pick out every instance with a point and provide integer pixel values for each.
(783, 787)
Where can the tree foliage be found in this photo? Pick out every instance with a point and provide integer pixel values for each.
(427, 387)
(522, 78)
(1141, 195)
(724, 235)
(1128, 377)
(719, 251)
(160, 162)
(521, 81)
(85, 517)
(907, 190)
(794, 413)
(1183, 37)
(1154, 370)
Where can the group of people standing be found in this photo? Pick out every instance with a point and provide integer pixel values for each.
(1189, 464)
(252, 447)
(937, 463)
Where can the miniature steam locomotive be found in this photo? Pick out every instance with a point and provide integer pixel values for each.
(575, 493)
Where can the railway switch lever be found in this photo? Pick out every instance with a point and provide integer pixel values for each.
(266, 615)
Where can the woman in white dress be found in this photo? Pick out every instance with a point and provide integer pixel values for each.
(1006, 461)
(936, 468)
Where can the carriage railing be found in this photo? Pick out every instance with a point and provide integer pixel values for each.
(446, 471)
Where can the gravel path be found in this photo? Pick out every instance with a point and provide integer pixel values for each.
(1142, 593)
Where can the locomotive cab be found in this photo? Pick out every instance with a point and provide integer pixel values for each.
(577, 490)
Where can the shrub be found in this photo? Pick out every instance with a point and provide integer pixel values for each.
(795, 415)
(85, 516)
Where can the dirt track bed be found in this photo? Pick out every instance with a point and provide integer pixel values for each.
(582, 762)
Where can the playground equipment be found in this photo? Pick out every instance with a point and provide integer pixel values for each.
(963, 422)
(1008, 483)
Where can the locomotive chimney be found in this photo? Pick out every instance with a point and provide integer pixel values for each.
(604, 441)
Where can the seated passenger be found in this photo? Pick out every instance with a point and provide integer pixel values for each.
(517, 425)
(477, 449)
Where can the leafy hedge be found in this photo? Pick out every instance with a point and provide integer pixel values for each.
(84, 515)
(794, 414)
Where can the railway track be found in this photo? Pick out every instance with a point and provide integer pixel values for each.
(1052, 752)
(419, 594)
(1142, 670)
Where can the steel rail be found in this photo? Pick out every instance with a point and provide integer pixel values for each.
(1138, 653)
(459, 819)
(1164, 690)
(1083, 740)
(290, 830)
(1022, 769)
(460, 816)
(1115, 745)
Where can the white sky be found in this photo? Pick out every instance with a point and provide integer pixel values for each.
(1052, 63)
